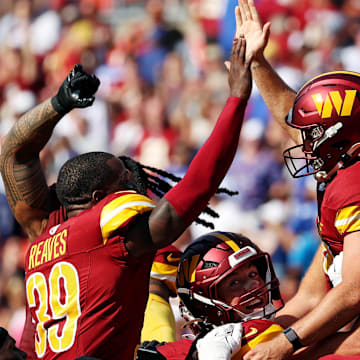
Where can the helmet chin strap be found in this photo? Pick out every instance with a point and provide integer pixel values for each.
(321, 176)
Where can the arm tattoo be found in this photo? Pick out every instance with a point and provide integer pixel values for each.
(20, 164)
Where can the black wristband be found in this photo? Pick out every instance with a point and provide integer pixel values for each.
(60, 109)
(293, 338)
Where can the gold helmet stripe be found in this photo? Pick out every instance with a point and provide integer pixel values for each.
(330, 73)
(227, 240)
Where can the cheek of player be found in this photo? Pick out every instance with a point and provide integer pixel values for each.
(121, 177)
(237, 284)
(307, 142)
(9, 351)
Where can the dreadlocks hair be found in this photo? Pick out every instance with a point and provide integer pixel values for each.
(152, 180)
(81, 175)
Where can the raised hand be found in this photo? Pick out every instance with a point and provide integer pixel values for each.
(240, 80)
(77, 91)
(248, 24)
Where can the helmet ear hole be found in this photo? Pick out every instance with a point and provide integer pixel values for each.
(341, 145)
(261, 266)
(209, 264)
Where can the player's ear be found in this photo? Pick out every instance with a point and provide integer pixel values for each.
(97, 195)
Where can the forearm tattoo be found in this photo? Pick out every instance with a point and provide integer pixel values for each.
(20, 164)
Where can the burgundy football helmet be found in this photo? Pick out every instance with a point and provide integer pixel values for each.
(210, 259)
(326, 110)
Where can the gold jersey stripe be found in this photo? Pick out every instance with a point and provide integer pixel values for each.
(120, 210)
(165, 269)
(348, 219)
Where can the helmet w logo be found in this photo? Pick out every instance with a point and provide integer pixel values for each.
(333, 100)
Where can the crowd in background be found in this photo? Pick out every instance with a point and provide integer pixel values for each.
(163, 85)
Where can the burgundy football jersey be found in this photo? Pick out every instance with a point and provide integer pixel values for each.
(339, 212)
(254, 332)
(85, 293)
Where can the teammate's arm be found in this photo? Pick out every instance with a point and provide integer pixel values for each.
(159, 321)
(24, 180)
(339, 306)
(183, 203)
(312, 289)
(278, 96)
(23, 177)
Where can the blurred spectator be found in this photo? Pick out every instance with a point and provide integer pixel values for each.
(158, 138)
(12, 291)
(161, 39)
(163, 85)
(254, 168)
(7, 221)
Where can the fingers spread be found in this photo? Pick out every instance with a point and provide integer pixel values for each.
(242, 11)
(253, 11)
(238, 18)
(246, 13)
(266, 31)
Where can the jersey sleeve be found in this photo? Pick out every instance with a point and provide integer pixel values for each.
(164, 267)
(347, 220)
(256, 332)
(120, 210)
(159, 321)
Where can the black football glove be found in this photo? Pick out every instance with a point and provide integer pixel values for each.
(148, 351)
(77, 91)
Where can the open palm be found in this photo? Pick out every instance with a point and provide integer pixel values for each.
(249, 25)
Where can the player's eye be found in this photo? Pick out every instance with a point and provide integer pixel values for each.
(235, 283)
(253, 274)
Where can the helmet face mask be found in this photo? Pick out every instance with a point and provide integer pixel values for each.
(253, 302)
(327, 112)
(210, 261)
(302, 160)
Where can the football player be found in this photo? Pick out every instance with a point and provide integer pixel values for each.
(323, 119)
(88, 267)
(229, 293)
(159, 321)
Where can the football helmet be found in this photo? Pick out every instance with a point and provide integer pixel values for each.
(209, 260)
(326, 110)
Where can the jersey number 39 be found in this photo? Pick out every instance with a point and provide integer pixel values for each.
(60, 297)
